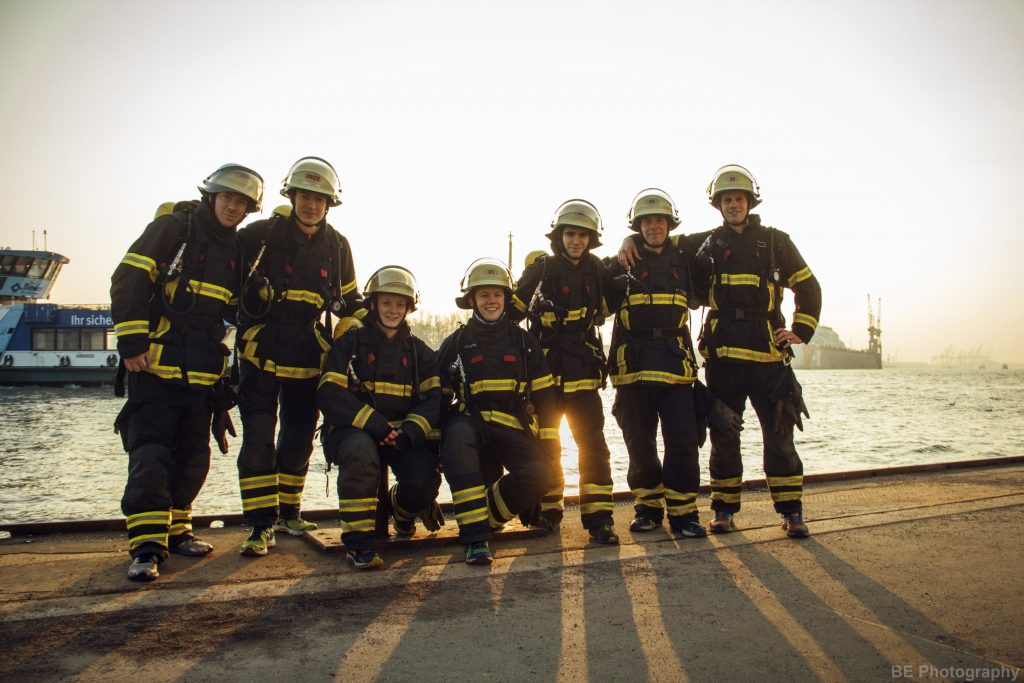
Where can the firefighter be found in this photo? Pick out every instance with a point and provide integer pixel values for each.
(170, 296)
(653, 369)
(296, 269)
(744, 266)
(505, 414)
(561, 295)
(381, 396)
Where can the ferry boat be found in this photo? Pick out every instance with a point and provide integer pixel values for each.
(46, 343)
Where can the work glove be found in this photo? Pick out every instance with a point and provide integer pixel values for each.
(222, 400)
(787, 403)
(433, 518)
(724, 419)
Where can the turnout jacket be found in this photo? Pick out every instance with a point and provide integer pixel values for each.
(564, 304)
(296, 279)
(374, 383)
(498, 373)
(651, 339)
(178, 317)
(742, 277)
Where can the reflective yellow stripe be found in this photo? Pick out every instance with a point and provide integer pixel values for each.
(596, 490)
(289, 372)
(359, 525)
(303, 296)
(257, 482)
(663, 299)
(164, 371)
(651, 376)
(786, 496)
(805, 319)
(430, 383)
(748, 354)
(466, 495)
(549, 319)
(725, 497)
(472, 516)
(131, 327)
(740, 279)
(797, 480)
(205, 379)
(260, 502)
(549, 432)
(499, 503)
(500, 418)
(142, 262)
(519, 304)
(389, 389)
(581, 385)
(419, 421)
(179, 529)
(597, 506)
(492, 385)
(799, 276)
(290, 479)
(335, 377)
(136, 541)
(731, 481)
(290, 498)
(362, 417)
(350, 287)
(180, 515)
(542, 382)
(639, 493)
(210, 290)
(357, 504)
(143, 518)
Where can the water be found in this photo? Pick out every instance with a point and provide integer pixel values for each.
(59, 457)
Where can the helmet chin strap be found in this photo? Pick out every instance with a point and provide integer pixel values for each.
(480, 319)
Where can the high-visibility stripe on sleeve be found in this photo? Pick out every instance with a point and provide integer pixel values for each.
(131, 327)
(362, 417)
(143, 263)
(805, 319)
(799, 276)
(419, 421)
(350, 287)
(335, 377)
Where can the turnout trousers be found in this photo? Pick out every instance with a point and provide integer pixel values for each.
(360, 462)
(166, 432)
(469, 448)
(733, 384)
(639, 408)
(584, 412)
(271, 476)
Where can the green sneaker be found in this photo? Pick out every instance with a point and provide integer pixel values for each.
(478, 553)
(295, 527)
(364, 559)
(259, 541)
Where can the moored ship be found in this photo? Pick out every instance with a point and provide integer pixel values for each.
(46, 343)
(826, 351)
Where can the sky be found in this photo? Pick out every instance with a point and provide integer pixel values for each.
(886, 135)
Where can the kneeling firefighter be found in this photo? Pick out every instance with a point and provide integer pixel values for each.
(561, 295)
(505, 415)
(170, 296)
(381, 395)
(297, 269)
(653, 371)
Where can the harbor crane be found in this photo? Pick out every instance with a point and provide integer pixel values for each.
(875, 328)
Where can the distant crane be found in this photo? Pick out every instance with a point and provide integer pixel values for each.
(875, 328)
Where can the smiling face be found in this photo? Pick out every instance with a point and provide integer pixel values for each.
(391, 308)
(575, 242)
(734, 206)
(489, 302)
(310, 207)
(230, 208)
(654, 228)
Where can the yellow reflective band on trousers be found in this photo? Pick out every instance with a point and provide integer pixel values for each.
(148, 527)
(470, 505)
(552, 499)
(290, 488)
(596, 498)
(400, 513)
(181, 522)
(785, 489)
(258, 492)
(726, 490)
(652, 498)
(499, 512)
(680, 504)
(357, 514)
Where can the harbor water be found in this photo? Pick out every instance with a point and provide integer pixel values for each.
(60, 459)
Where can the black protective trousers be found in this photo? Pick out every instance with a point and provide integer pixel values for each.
(271, 476)
(360, 461)
(639, 408)
(733, 383)
(584, 412)
(167, 437)
(471, 447)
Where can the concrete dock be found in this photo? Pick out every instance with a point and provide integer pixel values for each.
(910, 576)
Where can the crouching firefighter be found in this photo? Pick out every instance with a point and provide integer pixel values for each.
(297, 268)
(744, 266)
(653, 371)
(505, 415)
(381, 395)
(562, 297)
(170, 296)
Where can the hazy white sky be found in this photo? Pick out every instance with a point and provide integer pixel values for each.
(886, 135)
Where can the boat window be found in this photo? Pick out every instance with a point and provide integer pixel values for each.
(68, 340)
(21, 266)
(93, 338)
(38, 267)
(6, 264)
(51, 271)
(44, 339)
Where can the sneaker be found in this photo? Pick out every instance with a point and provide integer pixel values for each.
(722, 523)
(689, 528)
(295, 527)
(144, 568)
(794, 526)
(259, 541)
(192, 547)
(478, 553)
(404, 530)
(642, 523)
(364, 559)
(604, 534)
